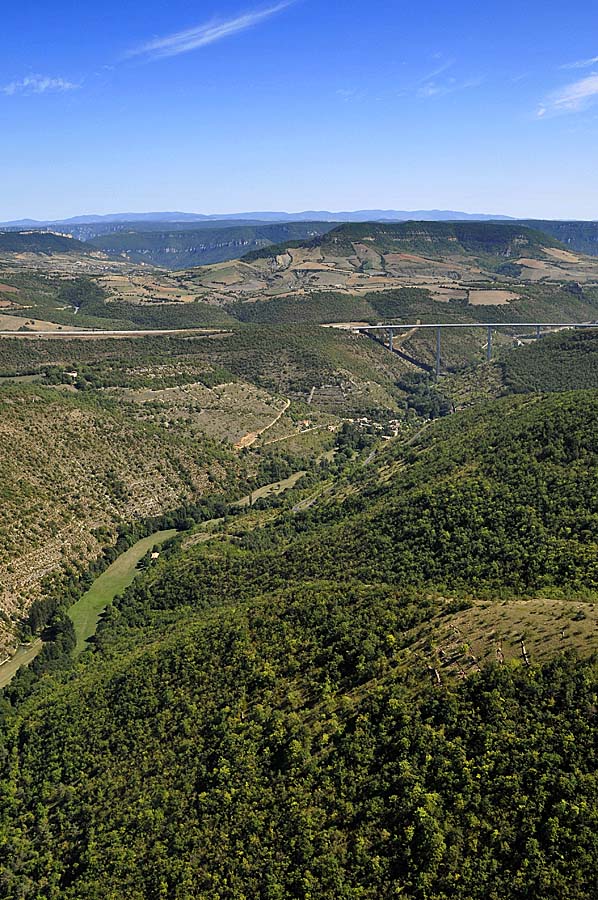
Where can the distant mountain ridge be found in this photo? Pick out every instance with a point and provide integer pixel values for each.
(374, 215)
(363, 215)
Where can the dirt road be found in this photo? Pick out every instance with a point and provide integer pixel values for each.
(252, 436)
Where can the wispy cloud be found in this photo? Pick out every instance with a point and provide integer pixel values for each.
(439, 70)
(581, 63)
(202, 35)
(38, 84)
(349, 95)
(435, 88)
(437, 83)
(572, 98)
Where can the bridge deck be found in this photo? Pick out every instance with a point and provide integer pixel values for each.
(394, 325)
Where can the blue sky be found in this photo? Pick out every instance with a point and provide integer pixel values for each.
(225, 106)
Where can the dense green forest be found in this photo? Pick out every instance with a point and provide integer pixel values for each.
(311, 308)
(151, 315)
(542, 303)
(39, 242)
(301, 767)
(272, 711)
(558, 362)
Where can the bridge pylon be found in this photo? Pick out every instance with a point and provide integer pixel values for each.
(489, 347)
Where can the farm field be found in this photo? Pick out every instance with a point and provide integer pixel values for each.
(24, 655)
(86, 612)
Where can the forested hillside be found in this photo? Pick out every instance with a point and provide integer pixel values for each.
(96, 432)
(39, 242)
(560, 362)
(278, 708)
(498, 500)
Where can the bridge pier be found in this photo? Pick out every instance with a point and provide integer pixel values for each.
(385, 332)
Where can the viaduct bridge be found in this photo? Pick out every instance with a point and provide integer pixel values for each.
(377, 332)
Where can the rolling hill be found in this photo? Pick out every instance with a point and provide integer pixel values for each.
(435, 237)
(450, 259)
(559, 362)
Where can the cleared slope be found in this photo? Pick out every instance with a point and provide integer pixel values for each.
(353, 372)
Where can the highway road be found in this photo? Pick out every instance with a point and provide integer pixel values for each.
(80, 333)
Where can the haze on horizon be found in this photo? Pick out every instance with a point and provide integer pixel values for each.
(298, 105)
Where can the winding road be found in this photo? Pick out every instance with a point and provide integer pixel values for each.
(252, 437)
